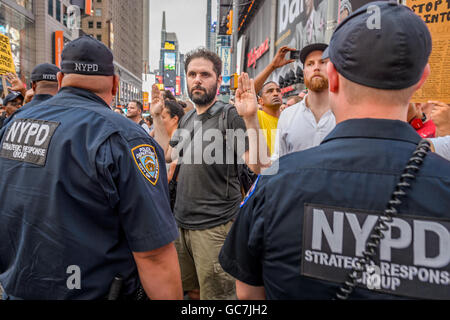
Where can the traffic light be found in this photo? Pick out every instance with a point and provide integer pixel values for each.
(230, 22)
(234, 81)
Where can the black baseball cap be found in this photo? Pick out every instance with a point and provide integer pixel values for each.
(392, 55)
(12, 96)
(44, 72)
(87, 56)
(310, 48)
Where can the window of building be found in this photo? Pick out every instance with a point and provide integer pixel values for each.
(99, 25)
(58, 10)
(98, 12)
(99, 37)
(50, 8)
(90, 24)
(64, 15)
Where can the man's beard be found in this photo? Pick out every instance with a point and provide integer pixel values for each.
(317, 84)
(205, 98)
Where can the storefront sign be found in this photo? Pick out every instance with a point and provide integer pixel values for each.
(59, 45)
(257, 53)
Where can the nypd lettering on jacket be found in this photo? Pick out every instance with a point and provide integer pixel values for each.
(27, 140)
(413, 257)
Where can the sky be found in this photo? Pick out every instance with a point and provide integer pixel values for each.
(184, 17)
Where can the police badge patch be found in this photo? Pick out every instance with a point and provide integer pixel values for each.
(147, 162)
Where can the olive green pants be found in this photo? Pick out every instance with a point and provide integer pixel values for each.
(198, 253)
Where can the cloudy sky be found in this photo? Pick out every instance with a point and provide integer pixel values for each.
(184, 17)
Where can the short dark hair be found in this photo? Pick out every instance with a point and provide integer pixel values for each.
(174, 109)
(167, 94)
(264, 85)
(204, 54)
(138, 103)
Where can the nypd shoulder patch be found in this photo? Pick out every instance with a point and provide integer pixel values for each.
(147, 161)
(250, 192)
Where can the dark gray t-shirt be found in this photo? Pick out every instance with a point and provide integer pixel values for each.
(205, 198)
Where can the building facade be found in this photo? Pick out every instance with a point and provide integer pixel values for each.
(120, 25)
(32, 26)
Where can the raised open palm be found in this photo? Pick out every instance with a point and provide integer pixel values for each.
(157, 103)
(245, 101)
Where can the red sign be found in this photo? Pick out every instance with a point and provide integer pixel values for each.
(159, 79)
(178, 86)
(59, 45)
(257, 53)
(88, 7)
(287, 89)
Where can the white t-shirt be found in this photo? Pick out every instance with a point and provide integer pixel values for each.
(298, 130)
(442, 146)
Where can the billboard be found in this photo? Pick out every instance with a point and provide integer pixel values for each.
(169, 78)
(169, 60)
(169, 45)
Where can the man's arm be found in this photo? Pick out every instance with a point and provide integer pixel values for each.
(277, 62)
(441, 146)
(160, 133)
(257, 156)
(16, 84)
(247, 292)
(159, 271)
(440, 115)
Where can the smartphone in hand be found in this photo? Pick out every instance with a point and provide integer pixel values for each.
(294, 55)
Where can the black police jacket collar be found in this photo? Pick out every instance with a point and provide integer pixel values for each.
(374, 129)
(41, 97)
(82, 93)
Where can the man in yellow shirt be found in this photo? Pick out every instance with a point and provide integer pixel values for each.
(270, 99)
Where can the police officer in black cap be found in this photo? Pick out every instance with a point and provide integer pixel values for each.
(44, 82)
(322, 227)
(84, 194)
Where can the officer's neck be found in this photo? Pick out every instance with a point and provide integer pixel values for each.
(345, 112)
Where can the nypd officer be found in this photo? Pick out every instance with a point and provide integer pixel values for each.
(84, 194)
(302, 233)
(44, 83)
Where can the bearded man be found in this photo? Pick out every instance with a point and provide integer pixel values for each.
(208, 191)
(307, 123)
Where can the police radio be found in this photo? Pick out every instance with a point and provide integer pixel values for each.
(361, 266)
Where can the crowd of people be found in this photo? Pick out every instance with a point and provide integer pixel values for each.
(208, 200)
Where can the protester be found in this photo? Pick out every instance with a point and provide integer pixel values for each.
(289, 237)
(440, 115)
(418, 120)
(84, 202)
(119, 111)
(270, 100)
(208, 192)
(293, 100)
(12, 102)
(134, 113)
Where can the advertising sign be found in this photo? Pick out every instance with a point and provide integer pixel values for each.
(169, 60)
(225, 55)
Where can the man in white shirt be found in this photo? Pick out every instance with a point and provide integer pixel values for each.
(307, 123)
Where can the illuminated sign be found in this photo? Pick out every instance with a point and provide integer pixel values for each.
(169, 45)
(59, 45)
(169, 60)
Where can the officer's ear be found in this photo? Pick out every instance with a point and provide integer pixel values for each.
(333, 78)
(115, 87)
(59, 77)
(33, 86)
(425, 74)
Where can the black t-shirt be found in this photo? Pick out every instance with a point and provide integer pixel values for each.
(205, 197)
